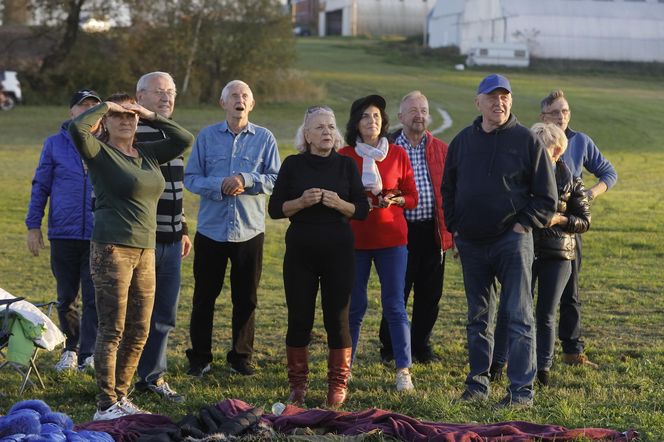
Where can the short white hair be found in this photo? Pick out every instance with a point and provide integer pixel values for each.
(226, 90)
(301, 141)
(412, 94)
(549, 135)
(142, 83)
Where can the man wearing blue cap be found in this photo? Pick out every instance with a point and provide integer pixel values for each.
(61, 178)
(498, 185)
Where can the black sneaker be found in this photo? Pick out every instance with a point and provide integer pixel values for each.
(496, 372)
(242, 367)
(472, 396)
(386, 356)
(543, 377)
(198, 370)
(161, 388)
(426, 357)
(515, 402)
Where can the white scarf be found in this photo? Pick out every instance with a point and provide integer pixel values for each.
(369, 154)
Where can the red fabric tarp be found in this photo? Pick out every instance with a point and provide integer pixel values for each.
(395, 425)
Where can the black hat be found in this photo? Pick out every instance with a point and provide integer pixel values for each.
(81, 95)
(364, 102)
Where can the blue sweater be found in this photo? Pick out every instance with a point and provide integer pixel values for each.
(582, 153)
(61, 176)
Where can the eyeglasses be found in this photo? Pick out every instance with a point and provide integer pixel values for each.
(555, 113)
(170, 93)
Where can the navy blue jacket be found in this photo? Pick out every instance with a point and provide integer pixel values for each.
(62, 177)
(494, 180)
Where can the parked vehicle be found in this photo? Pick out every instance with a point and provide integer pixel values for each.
(498, 54)
(10, 90)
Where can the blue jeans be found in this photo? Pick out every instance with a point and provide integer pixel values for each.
(152, 364)
(509, 259)
(391, 267)
(551, 276)
(70, 264)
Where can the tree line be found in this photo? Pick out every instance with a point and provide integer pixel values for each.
(202, 43)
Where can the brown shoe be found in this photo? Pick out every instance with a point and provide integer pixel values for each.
(298, 370)
(578, 359)
(338, 373)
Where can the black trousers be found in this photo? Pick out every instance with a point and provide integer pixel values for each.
(424, 275)
(569, 325)
(210, 262)
(318, 255)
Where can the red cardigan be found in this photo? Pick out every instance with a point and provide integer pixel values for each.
(386, 227)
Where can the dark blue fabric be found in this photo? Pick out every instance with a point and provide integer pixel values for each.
(508, 259)
(168, 258)
(61, 176)
(70, 264)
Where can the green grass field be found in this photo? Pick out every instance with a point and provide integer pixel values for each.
(621, 281)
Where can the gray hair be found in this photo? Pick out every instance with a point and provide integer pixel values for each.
(300, 140)
(412, 94)
(142, 83)
(551, 98)
(548, 135)
(226, 90)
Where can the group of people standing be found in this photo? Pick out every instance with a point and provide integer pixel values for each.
(509, 199)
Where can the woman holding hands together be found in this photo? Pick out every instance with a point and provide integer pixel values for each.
(318, 190)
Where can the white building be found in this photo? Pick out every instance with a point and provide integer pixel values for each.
(373, 17)
(610, 30)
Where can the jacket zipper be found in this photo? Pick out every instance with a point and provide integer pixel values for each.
(436, 221)
(85, 192)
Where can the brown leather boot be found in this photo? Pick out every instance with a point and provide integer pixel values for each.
(338, 373)
(298, 369)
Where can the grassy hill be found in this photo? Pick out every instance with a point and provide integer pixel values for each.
(621, 283)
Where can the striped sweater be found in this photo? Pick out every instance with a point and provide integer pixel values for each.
(171, 223)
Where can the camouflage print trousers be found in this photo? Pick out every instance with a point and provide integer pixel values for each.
(124, 280)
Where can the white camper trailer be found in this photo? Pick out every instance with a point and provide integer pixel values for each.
(498, 54)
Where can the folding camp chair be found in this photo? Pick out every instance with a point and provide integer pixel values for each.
(8, 321)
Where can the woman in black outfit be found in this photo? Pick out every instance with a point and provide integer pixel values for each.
(555, 246)
(554, 252)
(318, 190)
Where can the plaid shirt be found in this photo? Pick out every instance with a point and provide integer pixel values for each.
(425, 206)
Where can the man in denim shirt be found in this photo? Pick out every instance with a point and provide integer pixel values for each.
(232, 166)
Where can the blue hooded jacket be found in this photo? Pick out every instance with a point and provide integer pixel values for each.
(61, 176)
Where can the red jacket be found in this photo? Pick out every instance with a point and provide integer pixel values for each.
(435, 152)
(386, 227)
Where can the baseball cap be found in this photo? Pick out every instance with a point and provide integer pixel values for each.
(81, 95)
(493, 82)
(364, 102)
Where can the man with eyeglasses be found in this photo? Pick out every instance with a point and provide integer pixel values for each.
(581, 153)
(233, 165)
(156, 92)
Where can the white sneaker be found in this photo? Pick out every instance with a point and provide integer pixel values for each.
(113, 412)
(88, 364)
(67, 361)
(404, 381)
(131, 408)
